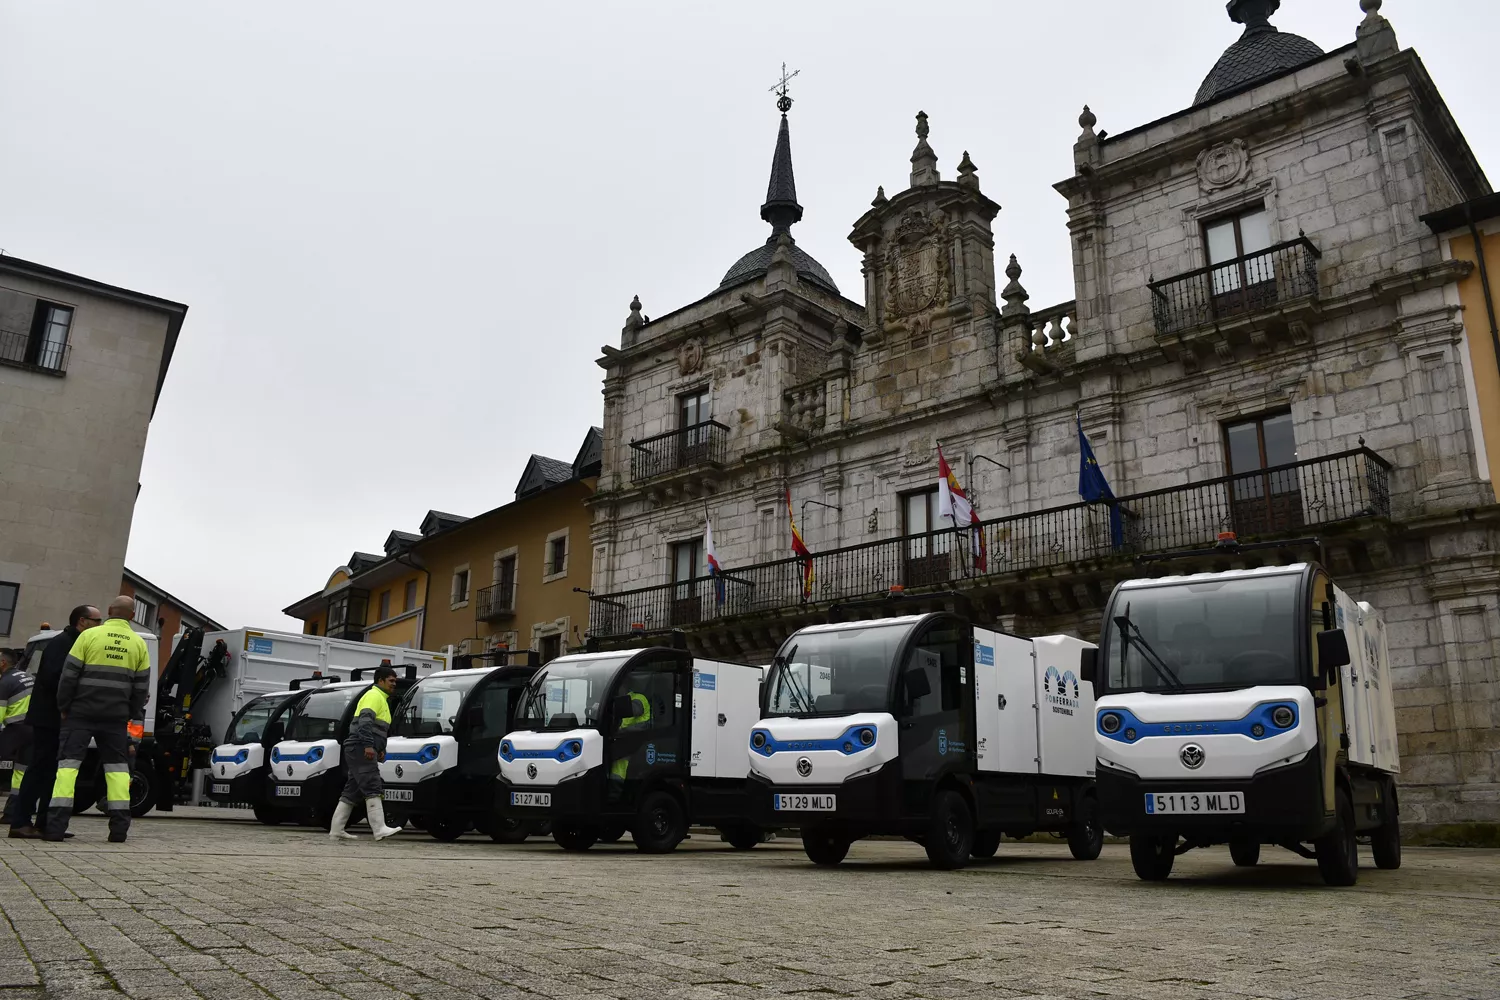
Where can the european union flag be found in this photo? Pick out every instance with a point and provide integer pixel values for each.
(1093, 487)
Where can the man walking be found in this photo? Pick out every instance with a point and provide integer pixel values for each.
(364, 748)
(15, 732)
(103, 690)
(36, 788)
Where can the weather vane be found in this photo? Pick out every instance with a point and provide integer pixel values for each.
(783, 101)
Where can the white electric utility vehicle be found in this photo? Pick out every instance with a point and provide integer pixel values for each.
(929, 727)
(1231, 711)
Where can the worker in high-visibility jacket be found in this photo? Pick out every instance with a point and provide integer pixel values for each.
(364, 749)
(101, 697)
(15, 731)
(642, 717)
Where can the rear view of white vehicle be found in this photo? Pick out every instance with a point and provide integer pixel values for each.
(1231, 711)
(928, 727)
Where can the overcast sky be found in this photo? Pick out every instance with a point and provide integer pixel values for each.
(405, 229)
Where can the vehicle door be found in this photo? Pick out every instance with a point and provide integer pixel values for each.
(934, 734)
(648, 726)
(488, 714)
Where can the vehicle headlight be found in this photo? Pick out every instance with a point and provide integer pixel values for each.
(867, 736)
(505, 749)
(428, 754)
(275, 756)
(1283, 716)
(758, 740)
(1110, 723)
(242, 756)
(575, 748)
(316, 753)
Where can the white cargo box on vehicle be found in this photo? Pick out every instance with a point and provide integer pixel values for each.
(1033, 713)
(726, 705)
(262, 662)
(1365, 685)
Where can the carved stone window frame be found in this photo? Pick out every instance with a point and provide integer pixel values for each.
(1239, 198)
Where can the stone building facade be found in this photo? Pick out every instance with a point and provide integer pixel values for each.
(82, 364)
(1265, 339)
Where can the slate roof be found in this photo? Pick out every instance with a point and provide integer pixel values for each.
(758, 261)
(1260, 53)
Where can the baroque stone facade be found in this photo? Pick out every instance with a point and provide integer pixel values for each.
(1331, 318)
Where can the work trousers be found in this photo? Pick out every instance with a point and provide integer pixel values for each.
(364, 776)
(113, 743)
(30, 800)
(15, 749)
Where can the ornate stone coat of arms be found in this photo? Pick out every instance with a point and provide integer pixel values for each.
(917, 268)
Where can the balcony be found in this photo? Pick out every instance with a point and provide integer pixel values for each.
(25, 351)
(496, 603)
(1023, 549)
(1252, 298)
(701, 445)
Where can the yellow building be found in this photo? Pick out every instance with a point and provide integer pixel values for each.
(507, 576)
(1471, 232)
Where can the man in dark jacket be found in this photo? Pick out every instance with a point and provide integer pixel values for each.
(45, 723)
(15, 730)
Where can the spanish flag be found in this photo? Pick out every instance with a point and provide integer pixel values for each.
(799, 549)
(954, 504)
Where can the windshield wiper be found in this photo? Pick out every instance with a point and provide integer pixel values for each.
(799, 695)
(1148, 653)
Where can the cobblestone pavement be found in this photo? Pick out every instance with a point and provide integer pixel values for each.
(225, 908)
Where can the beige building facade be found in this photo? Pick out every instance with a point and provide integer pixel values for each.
(82, 364)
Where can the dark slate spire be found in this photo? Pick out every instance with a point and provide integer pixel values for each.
(781, 208)
(1260, 53)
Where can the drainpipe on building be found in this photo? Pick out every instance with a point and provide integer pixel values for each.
(1484, 280)
(427, 595)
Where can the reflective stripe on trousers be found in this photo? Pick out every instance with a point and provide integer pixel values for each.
(116, 786)
(66, 784)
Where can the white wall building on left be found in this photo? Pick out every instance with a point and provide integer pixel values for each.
(82, 364)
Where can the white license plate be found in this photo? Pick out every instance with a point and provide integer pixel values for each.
(531, 798)
(398, 794)
(805, 803)
(1194, 803)
(221, 788)
(288, 791)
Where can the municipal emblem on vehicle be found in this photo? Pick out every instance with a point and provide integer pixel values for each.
(1191, 756)
(804, 766)
(942, 742)
(650, 753)
(289, 770)
(399, 772)
(531, 770)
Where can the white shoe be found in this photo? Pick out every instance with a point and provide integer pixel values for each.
(341, 816)
(375, 813)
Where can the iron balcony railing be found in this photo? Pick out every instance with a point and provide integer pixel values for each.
(496, 601)
(33, 352)
(1282, 501)
(1240, 287)
(701, 444)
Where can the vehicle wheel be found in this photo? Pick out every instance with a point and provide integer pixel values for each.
(541, 828)
(743, 838)
(660, 825)
(1245, 853)
(1338, 851)
(611, 834)
(574, 838)
(1086, 836)
(269, 816)
(986, 843)
(950, 836)
(824, 848)
(508, 830)
(447, 828)
(1385, 842)
(1152, 856)
(321, 817)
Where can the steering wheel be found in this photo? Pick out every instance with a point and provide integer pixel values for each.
(1258, 658)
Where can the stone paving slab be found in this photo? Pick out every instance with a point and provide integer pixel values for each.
(223, 908)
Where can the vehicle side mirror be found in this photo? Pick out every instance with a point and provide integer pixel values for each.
(275, 733)
(624, 707)
(474, 716)
(1088, 664)
(917, 685)
(1333, 653)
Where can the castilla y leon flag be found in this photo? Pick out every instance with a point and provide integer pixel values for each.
(714, 569)
(954, 504)
(799, 549)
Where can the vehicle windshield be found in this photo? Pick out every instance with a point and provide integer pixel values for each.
(431, 706)
(835, 672)
(569, 693)
(250, 725)
(319, 715)
(1218, 634)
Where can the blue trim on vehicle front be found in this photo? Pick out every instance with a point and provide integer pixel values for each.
(1259, 715)
(426, 755)
(565, 751)
(312, 756)
(847, 743)
(236, 758)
